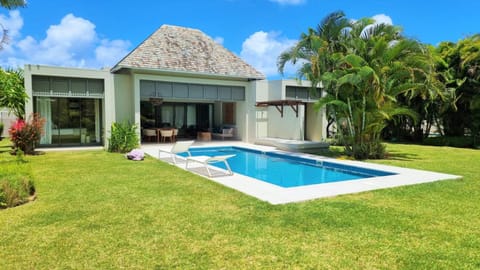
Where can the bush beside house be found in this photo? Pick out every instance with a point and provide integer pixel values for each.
(124, 137)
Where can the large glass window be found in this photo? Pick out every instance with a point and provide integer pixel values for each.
(188, 118)
(70, 121)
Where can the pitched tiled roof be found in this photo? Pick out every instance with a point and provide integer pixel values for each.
(179, 49)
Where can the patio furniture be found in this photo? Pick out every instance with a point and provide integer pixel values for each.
(149, 133)
(175, 133)
(166, 133)
(177, 148)
(204, 136)
(226, 133)
(206, 161)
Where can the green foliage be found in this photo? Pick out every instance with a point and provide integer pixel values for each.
(15, 191)
(16, 183)
(26, 134)
(124, 137)
(366, 150)
(453, 141)
(11, 4)
(12, 92)
(1, 130)
(460, 66)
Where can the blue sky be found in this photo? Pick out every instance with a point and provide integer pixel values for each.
(95, 34)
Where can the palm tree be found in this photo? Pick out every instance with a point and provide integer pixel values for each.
(364, 68)
(315, 47)
(11, 4)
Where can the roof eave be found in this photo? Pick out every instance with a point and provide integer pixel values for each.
(117, 68)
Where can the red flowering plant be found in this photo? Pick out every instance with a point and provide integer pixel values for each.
(25, 135)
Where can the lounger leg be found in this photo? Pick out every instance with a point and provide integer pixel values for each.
(208, 170)
(228, 167)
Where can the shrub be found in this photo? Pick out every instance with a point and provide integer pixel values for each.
(15, 191)
(1, 130)
(372, 150)
(124, 137)
(16, 184)
(25, 135)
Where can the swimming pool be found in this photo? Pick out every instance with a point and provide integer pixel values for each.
(285, 170)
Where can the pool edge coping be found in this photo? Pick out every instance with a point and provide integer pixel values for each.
(279, 195)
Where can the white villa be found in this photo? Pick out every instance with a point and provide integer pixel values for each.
(178, 77)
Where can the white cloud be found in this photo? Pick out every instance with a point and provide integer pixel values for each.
(72, 42)
(382, 18)
(218, 40)
(289, 2)
(262, 49)
(110, 52)
(12, 23)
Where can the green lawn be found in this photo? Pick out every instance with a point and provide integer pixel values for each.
(97, 210)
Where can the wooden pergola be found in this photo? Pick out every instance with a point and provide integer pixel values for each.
(280, 104)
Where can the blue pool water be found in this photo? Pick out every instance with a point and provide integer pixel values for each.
(284, 170)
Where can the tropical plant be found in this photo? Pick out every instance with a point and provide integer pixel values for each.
(461, 66)
(314, 48)
(26, 134)
(12, 92)
(365, 68)
(124, 137)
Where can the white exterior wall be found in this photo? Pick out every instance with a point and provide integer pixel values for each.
(124, 96)
(258, 116)
(316, 124)
(276, 90)
(287, 127)
(269, 122)
(109, 94)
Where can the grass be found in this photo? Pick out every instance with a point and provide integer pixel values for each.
(97, 210)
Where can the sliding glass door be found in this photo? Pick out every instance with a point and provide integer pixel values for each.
(70, 121)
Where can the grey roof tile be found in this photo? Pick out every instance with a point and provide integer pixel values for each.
(181, 49)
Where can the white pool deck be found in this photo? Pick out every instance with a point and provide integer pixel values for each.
(279, 195)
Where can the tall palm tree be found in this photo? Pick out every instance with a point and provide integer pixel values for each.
(364, 68)
(314, 48)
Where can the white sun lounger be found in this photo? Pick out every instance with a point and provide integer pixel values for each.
(206, 160)
(178, 147)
